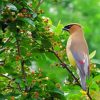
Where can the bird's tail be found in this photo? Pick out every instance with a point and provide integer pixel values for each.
(83, 81)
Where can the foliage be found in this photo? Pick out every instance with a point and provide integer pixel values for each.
(28, 70)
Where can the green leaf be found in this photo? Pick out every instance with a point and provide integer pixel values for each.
(57, 48)
(58, 91)
(58, 94)
(45, 42)
(34, 15)
(92, 54)
(9, 68)
(28, 62)
(58, 29)
(50, 57)
(18, 80)
(12, 7)
(73, 96)
(94, 86)
(2, 70)
(23, 51)
(97, 78)
(27, 20)
(95, 61)
(26, 5)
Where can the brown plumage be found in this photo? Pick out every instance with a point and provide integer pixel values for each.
(77, 51)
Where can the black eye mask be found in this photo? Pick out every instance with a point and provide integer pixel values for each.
(67, 27)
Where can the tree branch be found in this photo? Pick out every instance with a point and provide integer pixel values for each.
(22, 62)
(66, 67)
(88, 94)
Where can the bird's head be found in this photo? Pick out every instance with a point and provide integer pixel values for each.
(71, 28)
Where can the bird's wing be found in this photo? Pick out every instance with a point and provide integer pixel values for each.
(81, 59)
(82, 62)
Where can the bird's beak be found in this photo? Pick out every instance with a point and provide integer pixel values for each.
(65, 29)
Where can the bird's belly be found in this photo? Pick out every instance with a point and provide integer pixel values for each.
(70, 57)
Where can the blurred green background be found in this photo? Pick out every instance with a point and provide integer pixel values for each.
(46, 31)
(84, 12)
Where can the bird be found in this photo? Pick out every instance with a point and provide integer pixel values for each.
(77, 51)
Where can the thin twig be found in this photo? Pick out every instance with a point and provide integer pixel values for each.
(66, 67)
(2, 75)
(38, 5)
(89, 94)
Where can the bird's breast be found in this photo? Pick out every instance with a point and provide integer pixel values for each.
(69, 54)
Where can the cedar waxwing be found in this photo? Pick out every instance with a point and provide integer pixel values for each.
(77, 51)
